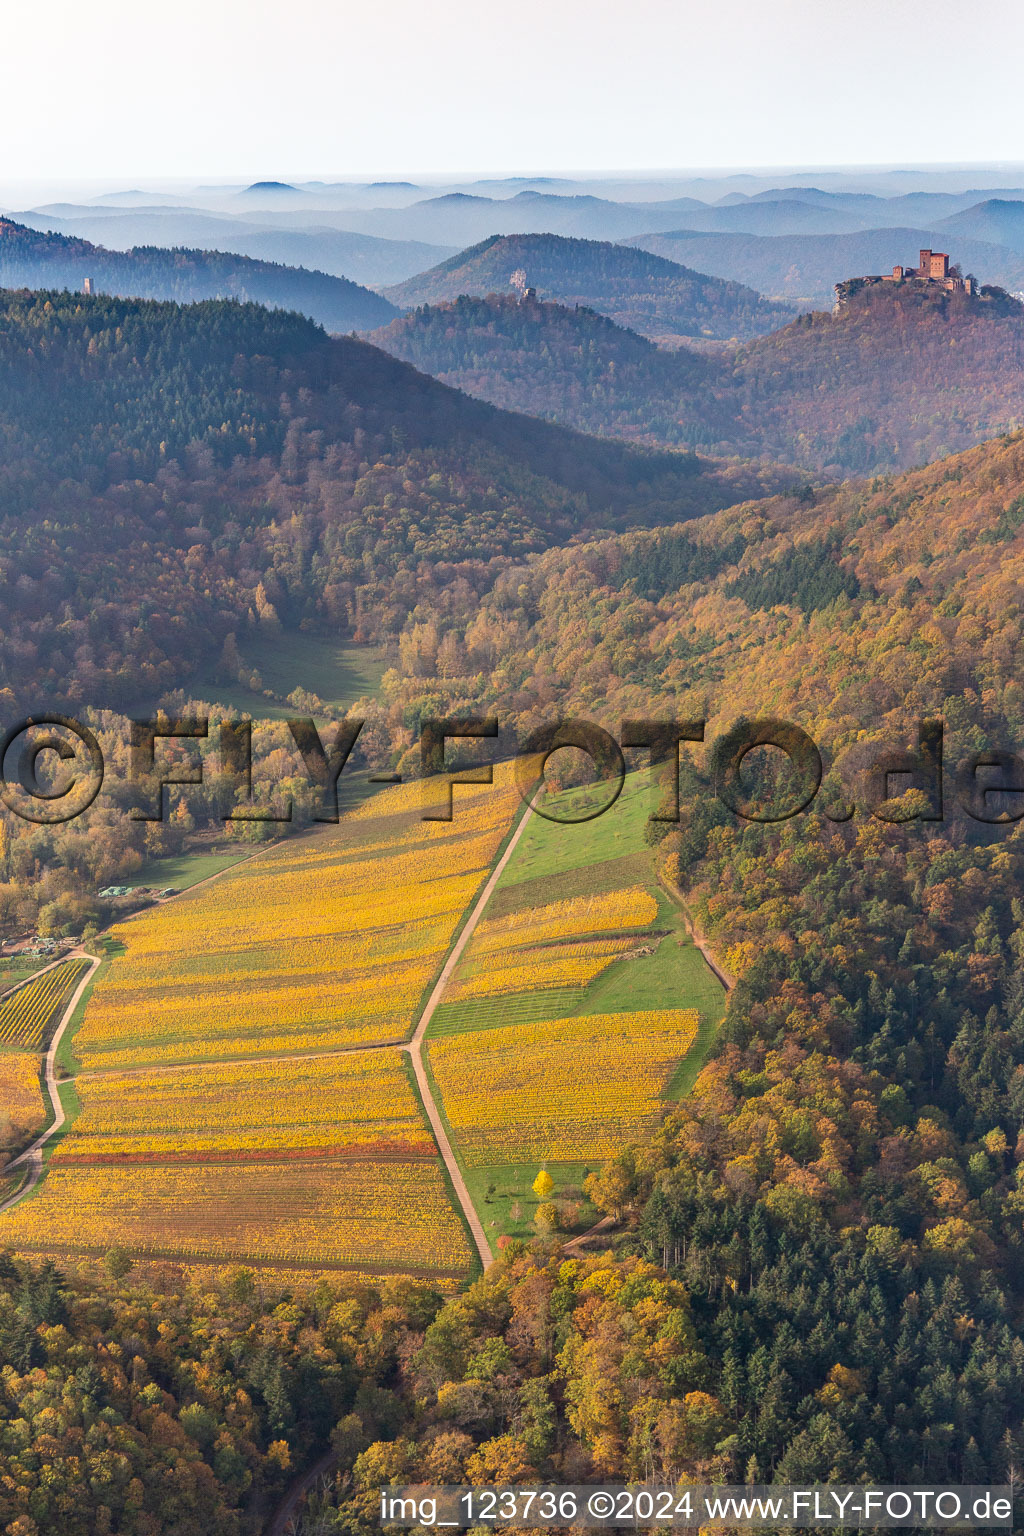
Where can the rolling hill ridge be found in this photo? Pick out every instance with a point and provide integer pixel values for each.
(775, 601)
(365, 259)
(995, 219)
(898, 377)
(569, 365)
(30, 259)
(219, 462)
(901, 376)
(649, 294)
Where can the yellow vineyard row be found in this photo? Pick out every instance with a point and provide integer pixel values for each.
(20, 1095)
(25, 1015)
(388, 1213)
(561, 1089)
(555, 945)
(357, 1099)
(632, 907)
(529, 969)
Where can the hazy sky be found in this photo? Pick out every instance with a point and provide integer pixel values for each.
(130, 89)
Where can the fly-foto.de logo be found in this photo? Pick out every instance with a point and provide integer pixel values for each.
(52, 768)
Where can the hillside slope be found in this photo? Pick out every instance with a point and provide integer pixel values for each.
(30, 259)
(226, 466)
(902, 376)
(646, 293)
(857, 611)
(994, 219)
(854, 1138)
(365, 259)
(567, 365)
(823, 1239)
(899, 377)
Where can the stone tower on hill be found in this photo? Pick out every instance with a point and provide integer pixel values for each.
(933, 268)
(932, 271)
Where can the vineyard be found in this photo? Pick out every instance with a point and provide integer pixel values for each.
(559, 1090)
(542, 967)
(20, 1096)
(554, 946)
(632, 908)
(578, 1008)
(26, 1017)
(319, 944)
(329, 1214)
(357, 1100)
(243, 1095)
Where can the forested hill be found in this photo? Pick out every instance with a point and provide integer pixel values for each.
(900, 376)
(31, 259)
(568, 365)
(848, 609)
(842, 1188)
(903, 375)
(647, 293)
(219, 465)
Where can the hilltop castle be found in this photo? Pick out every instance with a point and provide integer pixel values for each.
(933, 269)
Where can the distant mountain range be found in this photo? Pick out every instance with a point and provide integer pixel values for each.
(365, 259)
(461, 218)
(650, 295)
(382, 233)
(776, 216)
(901, 376)
(804, 268)
(29, 259)
(465, 217)
(834, 211)
(996, 221)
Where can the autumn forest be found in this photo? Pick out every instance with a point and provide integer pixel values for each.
(546, 474)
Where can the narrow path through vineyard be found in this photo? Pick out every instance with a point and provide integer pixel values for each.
(415, 1046)
(33, 1155)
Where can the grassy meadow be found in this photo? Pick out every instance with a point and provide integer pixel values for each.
(338, 672)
